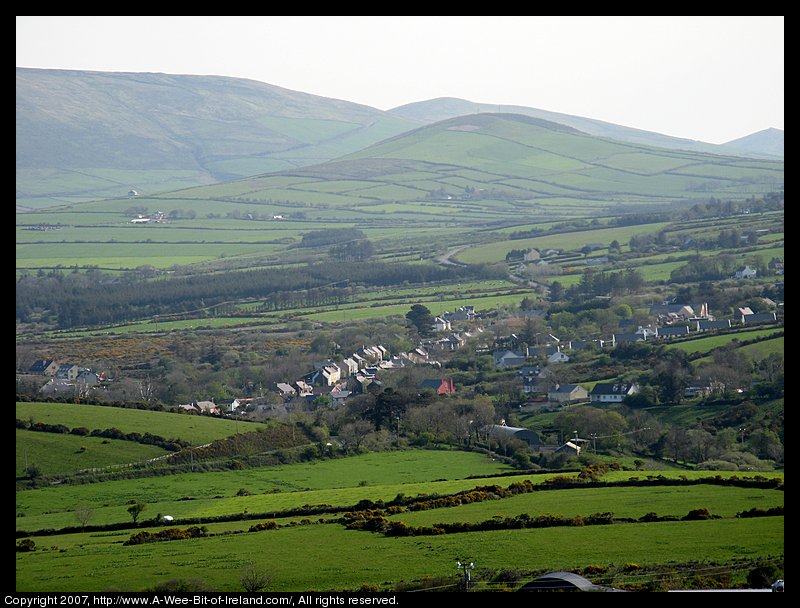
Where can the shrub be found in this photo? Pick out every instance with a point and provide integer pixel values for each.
(698, 515)
(26, 545)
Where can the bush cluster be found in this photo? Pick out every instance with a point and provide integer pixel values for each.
(164, 535)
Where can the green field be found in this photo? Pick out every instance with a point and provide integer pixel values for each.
(568, 241)
(197, 430)
(53, 453)
(623, 502)
(327, 557)
(705, 344)
(347, 559)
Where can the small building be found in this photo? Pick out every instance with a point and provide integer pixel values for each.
(501, 431)
(440, 387)
(563, 581)
(568, 393)
(285, 390)
(569, 448)
(612, 392)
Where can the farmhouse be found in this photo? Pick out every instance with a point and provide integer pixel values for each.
(46, 367)
(746, 273)
(612, 392)
(500, 432)
(568, 393)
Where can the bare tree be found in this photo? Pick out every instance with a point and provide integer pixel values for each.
(253, 579)
(146, 388)
(84, 514)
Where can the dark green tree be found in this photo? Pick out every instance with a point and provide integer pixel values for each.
(420, 317)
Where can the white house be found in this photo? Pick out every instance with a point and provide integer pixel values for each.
(441, 324)
(612, 392)
(746, 273)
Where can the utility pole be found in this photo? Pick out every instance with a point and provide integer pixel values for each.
(466, 568)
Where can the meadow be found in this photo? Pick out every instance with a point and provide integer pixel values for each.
(347, 559)
(197, 430)
(54, 454)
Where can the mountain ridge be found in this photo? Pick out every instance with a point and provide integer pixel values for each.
(434, 110)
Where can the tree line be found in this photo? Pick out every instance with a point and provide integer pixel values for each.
(76, 300)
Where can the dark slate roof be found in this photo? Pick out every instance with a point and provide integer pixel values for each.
(566, 388)
(762, 317)
(681, 330)
(723, 324)
(611, 388)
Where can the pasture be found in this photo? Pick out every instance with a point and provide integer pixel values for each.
(54, 453)
(197, 430)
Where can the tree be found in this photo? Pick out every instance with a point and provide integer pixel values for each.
(253, 579)
(84, 514)
(420, 317)
(135, 510)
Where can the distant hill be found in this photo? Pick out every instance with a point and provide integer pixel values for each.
(768, 141)
(434, 110)
(83, 135)
(498, 165)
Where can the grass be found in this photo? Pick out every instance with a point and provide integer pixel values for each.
(197, 430)
(55, 453)
(706, 344)
(622, 502)
(328, 557)
(347, 559)
(272, 488)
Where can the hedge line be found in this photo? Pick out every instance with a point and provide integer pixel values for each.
(425, 502)
(172, 445)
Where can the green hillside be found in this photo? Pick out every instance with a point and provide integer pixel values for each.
(443, 108)
(420, 188)
(194, 429)
(88, 135)
(493, 166)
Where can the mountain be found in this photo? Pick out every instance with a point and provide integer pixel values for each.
(484, 166)
(768, 141)
(83, 135)
(434, 110)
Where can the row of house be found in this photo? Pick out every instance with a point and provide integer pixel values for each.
(65, 377)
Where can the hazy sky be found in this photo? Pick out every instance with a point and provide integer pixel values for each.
(708, 78)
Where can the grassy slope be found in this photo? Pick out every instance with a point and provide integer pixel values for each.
(55, 453)
(92, 134)
(197, 430)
